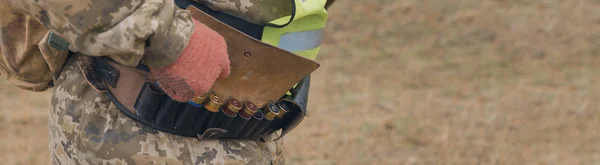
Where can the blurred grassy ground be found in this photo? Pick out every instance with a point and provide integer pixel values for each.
(426, 82)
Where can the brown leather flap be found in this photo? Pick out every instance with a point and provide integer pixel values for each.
(260, 72)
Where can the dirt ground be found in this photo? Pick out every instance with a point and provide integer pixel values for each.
(425, 82)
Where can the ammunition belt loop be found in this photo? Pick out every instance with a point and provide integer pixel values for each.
(206, 117)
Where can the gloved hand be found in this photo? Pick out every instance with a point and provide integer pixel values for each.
(203, 61)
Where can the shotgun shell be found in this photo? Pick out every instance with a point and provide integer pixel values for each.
(271, 111)
(197, 102)
(214, 103)
(232, 107)
(249, 110)
(283, 109)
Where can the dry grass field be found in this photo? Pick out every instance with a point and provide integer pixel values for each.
(425, 82)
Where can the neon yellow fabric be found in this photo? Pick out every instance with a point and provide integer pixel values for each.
(310, 15)
(310, 54)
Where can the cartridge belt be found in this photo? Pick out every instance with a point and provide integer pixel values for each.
(217, 114)
(206, 117)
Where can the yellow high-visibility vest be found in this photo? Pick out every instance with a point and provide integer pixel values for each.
(300, 33)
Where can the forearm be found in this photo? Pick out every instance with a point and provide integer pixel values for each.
(155, 31)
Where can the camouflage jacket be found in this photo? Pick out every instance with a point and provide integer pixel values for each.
(84, 127)
(153, 32)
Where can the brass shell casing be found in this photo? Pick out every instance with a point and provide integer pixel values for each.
(271, 111)
(248, 110)
(234, 105)
(283, 109)
(213, 103)
(199, 100)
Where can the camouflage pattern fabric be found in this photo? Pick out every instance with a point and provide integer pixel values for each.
(132, 31)
(20, 59)
(86, 128)
(256, 11)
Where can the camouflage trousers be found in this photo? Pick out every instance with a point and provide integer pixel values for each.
(86, 128)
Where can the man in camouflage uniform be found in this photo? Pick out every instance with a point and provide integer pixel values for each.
(85, 126)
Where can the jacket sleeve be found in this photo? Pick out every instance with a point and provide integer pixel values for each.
(259, 12)
(129, 31)
(21, 61)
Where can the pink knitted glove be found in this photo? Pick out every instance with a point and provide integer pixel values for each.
(203, 61)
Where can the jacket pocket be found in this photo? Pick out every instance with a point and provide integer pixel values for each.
(55, 52)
